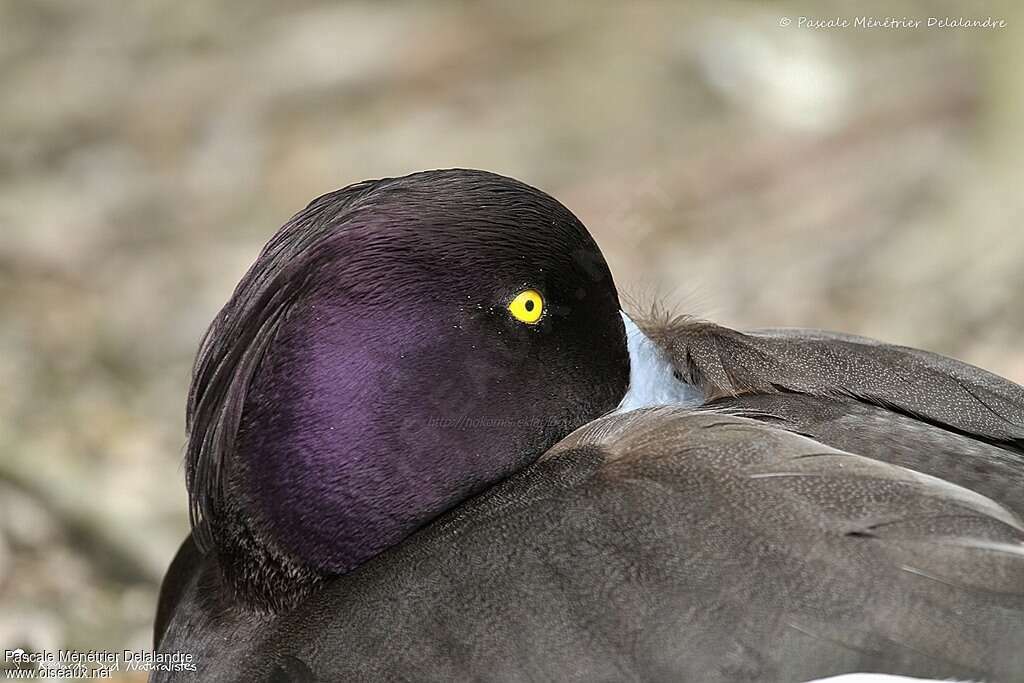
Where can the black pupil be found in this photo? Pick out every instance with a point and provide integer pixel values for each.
(528, 305)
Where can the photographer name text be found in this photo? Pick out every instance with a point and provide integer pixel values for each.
(820, 23)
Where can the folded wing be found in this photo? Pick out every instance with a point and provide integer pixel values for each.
(906, 406)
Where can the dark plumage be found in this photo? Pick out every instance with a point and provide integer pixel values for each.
(830, 504)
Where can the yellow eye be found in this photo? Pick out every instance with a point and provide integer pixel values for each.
(527, 307)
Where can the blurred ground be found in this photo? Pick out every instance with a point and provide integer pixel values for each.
(865, 180)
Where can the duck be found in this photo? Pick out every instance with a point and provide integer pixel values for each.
(425, 442)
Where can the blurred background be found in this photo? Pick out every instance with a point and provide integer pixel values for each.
(738, 169)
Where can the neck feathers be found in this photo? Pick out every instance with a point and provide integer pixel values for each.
(653, 381)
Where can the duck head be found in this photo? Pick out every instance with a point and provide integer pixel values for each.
(398, 346)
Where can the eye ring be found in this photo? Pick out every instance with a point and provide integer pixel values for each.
(527, 306)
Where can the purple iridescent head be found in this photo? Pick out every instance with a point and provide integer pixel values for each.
(398, 346)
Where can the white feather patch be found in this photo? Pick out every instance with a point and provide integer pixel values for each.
(880, 678)
(652, 381)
